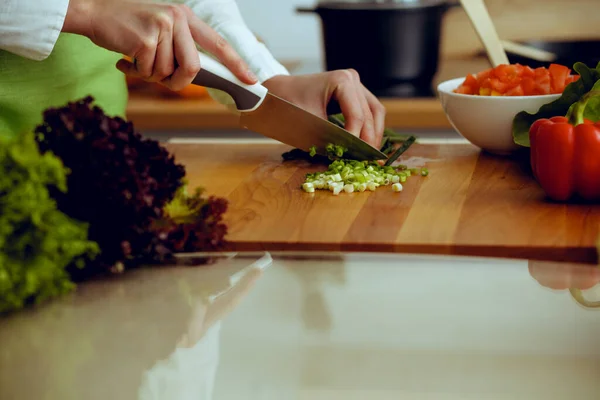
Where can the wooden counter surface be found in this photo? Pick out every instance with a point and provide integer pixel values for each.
(152, 112)
(470, 204)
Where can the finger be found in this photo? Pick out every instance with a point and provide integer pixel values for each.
(378, 111)
(144, 59)
(186, 54)
(164, 62)
(216, 45)
(128, 68)
(346, 95)
(367, 132)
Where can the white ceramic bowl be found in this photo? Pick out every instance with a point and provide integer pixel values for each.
(486, 121)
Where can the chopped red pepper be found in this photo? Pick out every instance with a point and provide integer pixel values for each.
(565, 154)
(517, 80)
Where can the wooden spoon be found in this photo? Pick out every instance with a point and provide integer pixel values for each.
(481, 21)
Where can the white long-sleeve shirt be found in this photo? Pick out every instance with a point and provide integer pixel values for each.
(30, 28)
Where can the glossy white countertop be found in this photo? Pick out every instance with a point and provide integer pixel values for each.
(320, 327)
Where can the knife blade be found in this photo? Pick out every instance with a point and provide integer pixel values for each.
(269, 115)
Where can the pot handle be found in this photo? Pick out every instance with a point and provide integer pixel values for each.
(306, 10)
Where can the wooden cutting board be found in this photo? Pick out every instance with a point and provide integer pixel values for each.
(472, 203)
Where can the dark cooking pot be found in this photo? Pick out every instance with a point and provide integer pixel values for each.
(393, 44)
(567, 52)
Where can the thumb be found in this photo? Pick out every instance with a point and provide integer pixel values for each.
(128, 68)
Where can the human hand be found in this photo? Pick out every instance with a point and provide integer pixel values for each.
(364, 114)
(564, 276)
(561, 276)
(160, 38)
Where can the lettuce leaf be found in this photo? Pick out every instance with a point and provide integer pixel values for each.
(573, 92)
(37, 241)
(119, 181)
(592, 107)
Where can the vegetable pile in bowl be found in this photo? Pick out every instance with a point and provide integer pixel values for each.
(517, 80)
(482, 106)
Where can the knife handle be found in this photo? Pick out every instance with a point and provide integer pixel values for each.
(215, 75)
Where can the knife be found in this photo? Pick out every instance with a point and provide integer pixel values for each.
(271, 116)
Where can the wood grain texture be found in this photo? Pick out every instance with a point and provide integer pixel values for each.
(472, 203)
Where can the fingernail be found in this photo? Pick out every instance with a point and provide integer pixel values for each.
(251, 76)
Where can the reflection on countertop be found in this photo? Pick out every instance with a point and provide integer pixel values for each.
(337, 326)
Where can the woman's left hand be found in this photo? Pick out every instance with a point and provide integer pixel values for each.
(364, 114)
(561, 276)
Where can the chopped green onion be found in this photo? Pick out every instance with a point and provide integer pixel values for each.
(334, 151)
(308, 187)
(337, 119)
(350, 176)
(313, 151)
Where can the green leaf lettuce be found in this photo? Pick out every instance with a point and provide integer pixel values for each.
(37, 242)
(560, 107)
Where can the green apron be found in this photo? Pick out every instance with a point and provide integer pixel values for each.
(76, 68)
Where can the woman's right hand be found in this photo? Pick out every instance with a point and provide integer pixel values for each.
(160, 38)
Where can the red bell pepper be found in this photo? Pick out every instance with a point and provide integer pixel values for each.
(565, 154)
